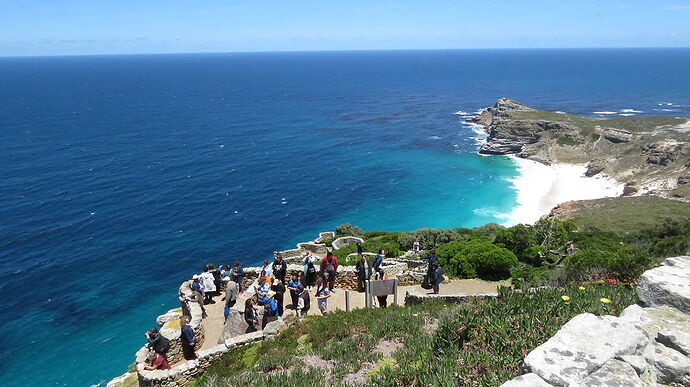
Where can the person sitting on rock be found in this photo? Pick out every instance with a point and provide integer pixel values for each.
(156, 362)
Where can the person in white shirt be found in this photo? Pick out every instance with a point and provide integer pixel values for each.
(207, 285)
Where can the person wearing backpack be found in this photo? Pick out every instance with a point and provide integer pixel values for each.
(270, 310)
(329, 267)
(309, 271)
(303, 302)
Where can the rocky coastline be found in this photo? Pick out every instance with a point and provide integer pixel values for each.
(650, 155)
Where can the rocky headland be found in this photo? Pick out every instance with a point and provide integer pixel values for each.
(651, 155)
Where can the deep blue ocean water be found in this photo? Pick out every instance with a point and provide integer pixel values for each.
(120, 176)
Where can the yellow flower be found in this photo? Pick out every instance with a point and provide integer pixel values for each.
(415, 315)
(565, 298)
(581, 288)
(605, 300)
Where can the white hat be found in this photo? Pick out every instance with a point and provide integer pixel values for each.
(195, 276)
(226, 279)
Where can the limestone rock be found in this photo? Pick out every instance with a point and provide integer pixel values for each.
(583, 345)
(171, 315)
(630, 189)
(637, 362)
(663, 152)
(668, 284)
(612, 373)
(526, 380)
(675, 339)
(594, 169)
(617, 136)
(652, 320)
(274, 327)
(672, 366)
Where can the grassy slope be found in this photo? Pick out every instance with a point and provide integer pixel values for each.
(481, 343)
(624, 215)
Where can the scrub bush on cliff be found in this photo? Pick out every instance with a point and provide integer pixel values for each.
(478, 258)
(349, 230)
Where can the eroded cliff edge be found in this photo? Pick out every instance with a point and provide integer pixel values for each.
(650, 154)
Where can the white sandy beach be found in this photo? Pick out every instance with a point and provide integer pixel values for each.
(541, 187)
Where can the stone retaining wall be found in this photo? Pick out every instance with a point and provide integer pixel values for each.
(413, 297)
(647, 345)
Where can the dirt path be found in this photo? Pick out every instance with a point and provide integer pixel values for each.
(213, 324)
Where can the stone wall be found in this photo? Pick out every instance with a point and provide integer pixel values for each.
(413, 297)
(647, 345)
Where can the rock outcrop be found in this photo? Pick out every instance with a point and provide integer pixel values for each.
(663, 152)
(645, 346)
(617, 136)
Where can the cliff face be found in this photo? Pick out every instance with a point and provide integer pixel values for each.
(651, 154)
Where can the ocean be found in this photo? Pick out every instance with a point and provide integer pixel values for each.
(123, 175)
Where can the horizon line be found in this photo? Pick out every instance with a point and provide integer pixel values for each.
(344, 51)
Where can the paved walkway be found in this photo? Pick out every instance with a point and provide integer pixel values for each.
(213, 324)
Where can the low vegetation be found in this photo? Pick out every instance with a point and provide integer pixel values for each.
(479, 343)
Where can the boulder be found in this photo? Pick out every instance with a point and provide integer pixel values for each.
(653, 320)
(612, 373)
(672, 367)
(344, 241)
(594, 169)
(629, 189)
(274, 327)
(171, 315)
(617, 136)
(583, 345)
(668, 284)
(663, 152)
(526, 380)
(675, 339)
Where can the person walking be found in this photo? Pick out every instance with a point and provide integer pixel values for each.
(432, 259)
(303, 302)
(279, 268)
(293, 286)
(378, 261)
(251, 316)
(207, 285)
(309, 270)
(237, 275)
(329, 267)
(279, 289)
(436, 277)
(322, 295)
(231, 291)
(188, 338)
(363, 270)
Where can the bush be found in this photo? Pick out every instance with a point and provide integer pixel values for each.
(431, 238)
(622, 263)
(525, 276)
(349, 230)
(476, 258)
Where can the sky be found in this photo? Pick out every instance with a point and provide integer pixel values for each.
(74, 27)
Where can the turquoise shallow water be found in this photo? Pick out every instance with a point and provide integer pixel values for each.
(124, 175)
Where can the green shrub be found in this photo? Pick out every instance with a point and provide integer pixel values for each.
(348, 230)
(622, 263)
(525, 276)
(477, 258)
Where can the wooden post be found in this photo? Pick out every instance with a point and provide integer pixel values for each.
(347, 300)
(395, 291)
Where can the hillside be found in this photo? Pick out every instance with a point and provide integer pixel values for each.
(650, 154)
(622, 215)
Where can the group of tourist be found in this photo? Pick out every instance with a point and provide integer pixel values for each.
(269, 292)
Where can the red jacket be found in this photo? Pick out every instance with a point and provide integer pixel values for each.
(324, 263)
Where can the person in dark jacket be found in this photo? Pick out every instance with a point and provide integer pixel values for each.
(251, 316)
(436, 277)
(363, 270)
(360, 249)
(293, 286)
(378, 261)
(188, 339)
(217, 280)
(157, 342)
(279, 268)
(303, 302)
(237, 275)
(432, 260)
(279, 288)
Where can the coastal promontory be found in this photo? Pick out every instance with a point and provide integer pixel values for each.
(651, 155)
